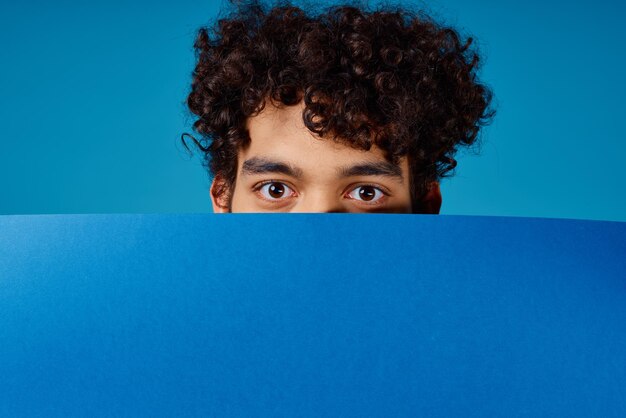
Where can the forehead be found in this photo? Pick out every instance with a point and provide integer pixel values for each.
(279, 132)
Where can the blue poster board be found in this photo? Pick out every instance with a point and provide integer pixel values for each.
(311, 315)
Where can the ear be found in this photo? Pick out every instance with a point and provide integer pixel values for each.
(431, 202)
(219, 195)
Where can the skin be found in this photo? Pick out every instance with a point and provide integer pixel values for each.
(287, 168)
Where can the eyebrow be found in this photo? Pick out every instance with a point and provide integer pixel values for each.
(382, 168)
(260, 165)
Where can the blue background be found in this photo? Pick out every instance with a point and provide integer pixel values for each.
(92, 108)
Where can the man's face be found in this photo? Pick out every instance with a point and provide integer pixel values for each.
(286, 168)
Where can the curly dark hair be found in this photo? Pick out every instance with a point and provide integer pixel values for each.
(389, 77)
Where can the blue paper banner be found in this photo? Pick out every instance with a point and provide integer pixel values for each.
(311, 315)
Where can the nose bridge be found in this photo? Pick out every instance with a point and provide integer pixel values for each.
(320, 201)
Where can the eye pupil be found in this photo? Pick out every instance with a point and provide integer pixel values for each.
(276, 190)
(367, 193)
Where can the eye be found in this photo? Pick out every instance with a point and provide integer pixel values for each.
(367, 194)
(275, 191)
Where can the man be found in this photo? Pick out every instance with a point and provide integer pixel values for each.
(349, 110)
